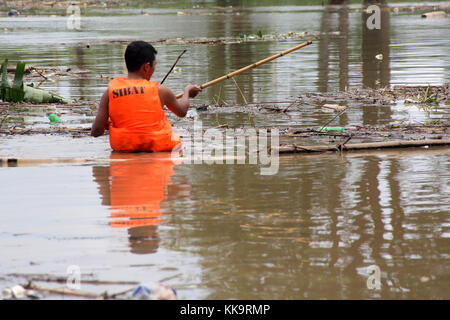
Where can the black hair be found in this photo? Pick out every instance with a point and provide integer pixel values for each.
(138, 53)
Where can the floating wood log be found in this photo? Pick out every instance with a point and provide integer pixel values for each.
(37, 161)
(64, 291)
(435, 14)
(363, 146)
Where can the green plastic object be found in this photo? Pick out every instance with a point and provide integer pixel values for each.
(335, 129)
(54, 118)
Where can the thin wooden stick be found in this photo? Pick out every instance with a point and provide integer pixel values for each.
(340, 113)
(39, 72)
(84, 281)
(63, 291)
(254, 65)
(121, 293)
(365, 146)
(173, 66)
(240, 91)
(285, 110)
(170, 277)
(274, 102)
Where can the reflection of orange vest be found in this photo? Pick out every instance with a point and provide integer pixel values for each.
(137, 189)
(138, 121)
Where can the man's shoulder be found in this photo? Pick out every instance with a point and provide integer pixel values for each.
(117, 79)
(164, 89)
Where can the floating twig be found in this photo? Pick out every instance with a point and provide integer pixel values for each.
(45, 278)
(240, 91)
(170, 277)
(39, 72)
(225, 125)
(341, 146)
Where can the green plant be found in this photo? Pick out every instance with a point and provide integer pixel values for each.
(18, 91)
(427, 98)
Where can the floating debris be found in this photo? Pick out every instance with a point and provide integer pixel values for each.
(240, 38)
(334, 107)
(192, 113)
(435, 14)
(18, 292)
(153, 292)
(13, 12)
(54, 118)
(138, 291)
(379, 56)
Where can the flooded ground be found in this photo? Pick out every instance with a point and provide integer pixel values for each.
(225, 231)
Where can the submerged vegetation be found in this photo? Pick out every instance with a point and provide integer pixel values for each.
(432, 98)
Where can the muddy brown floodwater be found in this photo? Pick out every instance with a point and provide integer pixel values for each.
(225, 231)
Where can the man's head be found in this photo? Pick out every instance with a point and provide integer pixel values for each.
(140, 57)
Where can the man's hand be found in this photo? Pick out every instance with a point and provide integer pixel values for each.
(179, 107)
(192, 90)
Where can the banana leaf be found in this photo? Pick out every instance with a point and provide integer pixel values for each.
(38, 95)
(5, 85)
(19, 91)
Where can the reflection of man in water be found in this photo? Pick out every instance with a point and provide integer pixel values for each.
(134, 189)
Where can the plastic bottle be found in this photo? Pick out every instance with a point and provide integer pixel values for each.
(153, 292)
(336, 129)
(53, 118)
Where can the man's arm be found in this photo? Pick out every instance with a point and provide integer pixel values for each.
(179, 107)
(101, 120)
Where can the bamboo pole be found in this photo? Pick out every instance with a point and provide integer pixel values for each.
(254, 65)
(364, 146)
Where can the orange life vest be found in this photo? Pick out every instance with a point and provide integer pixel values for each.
(138, 121)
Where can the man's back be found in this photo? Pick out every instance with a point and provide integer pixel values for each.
(138, 121)
(135, 106)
